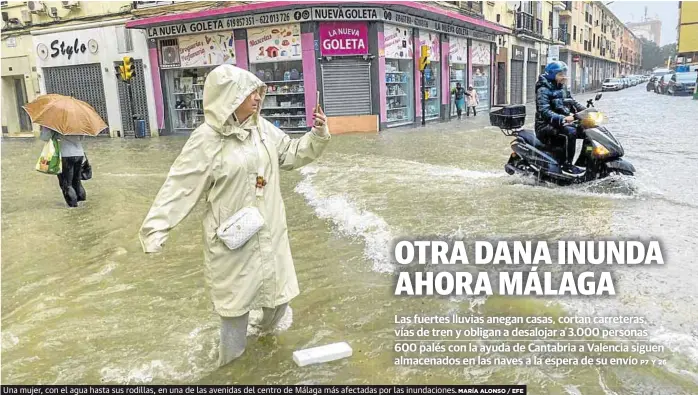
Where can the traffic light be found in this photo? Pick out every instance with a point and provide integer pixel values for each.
(119, 70)
(424, 58)
(129, 68)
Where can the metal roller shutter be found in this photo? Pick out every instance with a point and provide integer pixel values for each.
(531, 78)
(517, 81)
(346, 85)
(140, 102)
(83, 82)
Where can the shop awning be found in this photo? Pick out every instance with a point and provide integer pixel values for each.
(420, 14)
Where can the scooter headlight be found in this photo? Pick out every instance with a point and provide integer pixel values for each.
(600, 151)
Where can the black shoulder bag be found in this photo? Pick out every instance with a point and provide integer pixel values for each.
(86, 170)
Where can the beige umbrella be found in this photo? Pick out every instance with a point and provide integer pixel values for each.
(66, 115)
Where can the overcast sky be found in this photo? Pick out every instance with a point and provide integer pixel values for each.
(665, 11)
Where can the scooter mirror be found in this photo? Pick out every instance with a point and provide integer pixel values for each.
(598, 97)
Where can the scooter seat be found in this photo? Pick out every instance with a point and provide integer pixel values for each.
(529, 136)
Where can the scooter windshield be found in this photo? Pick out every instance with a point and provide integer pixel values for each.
(590, 118)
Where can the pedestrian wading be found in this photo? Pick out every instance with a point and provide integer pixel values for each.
(234, 160)
(72, 158)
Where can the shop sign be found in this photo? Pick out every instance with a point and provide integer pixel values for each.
(346, 13)
(533, 55)
(343, 38)
(517, 52)
(458, 50)
(391, 16)
(482, 53)
(70, 47)
(207, 49)
(432, 40)
(274, 43)
(315, 14)
(240, 22)
(398, 42)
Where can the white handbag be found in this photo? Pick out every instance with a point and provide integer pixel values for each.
(240, 227)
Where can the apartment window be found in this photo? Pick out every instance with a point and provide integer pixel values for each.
(574, 33)
(550, 19)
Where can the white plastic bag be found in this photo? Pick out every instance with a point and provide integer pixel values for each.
(240, 227)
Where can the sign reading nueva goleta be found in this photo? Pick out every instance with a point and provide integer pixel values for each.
(314, 14)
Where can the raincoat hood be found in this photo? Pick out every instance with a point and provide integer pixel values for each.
(226, 87)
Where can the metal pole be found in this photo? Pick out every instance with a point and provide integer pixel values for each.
(130, 107)
(424, 110)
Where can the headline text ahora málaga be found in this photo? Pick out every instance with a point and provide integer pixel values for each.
(450, 282)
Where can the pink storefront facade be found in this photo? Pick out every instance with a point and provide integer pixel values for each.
(362, 60)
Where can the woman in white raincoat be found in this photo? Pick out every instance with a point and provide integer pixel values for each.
(221, 162)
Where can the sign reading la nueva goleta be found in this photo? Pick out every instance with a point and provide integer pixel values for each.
(315, 14)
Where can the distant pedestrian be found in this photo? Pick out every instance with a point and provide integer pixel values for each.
(459, 91)
(473, 100)
(72, 157)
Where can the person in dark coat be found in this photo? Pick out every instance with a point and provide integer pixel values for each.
(72, 156)
(553, 116)
(460, 94)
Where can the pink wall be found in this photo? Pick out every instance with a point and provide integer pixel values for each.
(417, 81)
(157, 87)
(309, 74)
(470, 65)
(445, 75)
(381, 77)
(241, 54)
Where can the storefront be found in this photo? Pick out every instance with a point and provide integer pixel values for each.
(345, 68)
(185, 62)
(481, 58)
(531, 75)
(399, 74)
(458, 61)
(432, 75)
(360, 60)
(80, 63)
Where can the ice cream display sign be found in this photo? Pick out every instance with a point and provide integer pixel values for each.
(398, 42)
(207, 49)
(458, 50)
(432, 40)
(343, 38)
(274, 44)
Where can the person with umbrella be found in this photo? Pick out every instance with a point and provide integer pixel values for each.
(67, 120)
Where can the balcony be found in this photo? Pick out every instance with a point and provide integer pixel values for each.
(559, 36)
(559, 5)
(528, 26)
(567, 12)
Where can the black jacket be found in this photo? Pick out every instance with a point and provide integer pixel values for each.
(550, 107)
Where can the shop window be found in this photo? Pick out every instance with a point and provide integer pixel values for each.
(284, 103)
(185, 91)
(399, 75)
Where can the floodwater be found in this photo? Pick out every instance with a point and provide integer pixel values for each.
(82, 304)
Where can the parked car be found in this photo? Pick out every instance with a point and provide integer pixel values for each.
(626, 82)
(682, 83)
(611, 84)
(660, 86)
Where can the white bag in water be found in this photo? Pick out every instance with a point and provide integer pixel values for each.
(327, 353)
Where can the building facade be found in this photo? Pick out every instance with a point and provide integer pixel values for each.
(363, 60)
(71, 48)
(687, 52)
(650, 30)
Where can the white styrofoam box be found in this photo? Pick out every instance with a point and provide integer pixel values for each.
(321, 354)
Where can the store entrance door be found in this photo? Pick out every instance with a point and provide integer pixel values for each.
(517, 81)
(531, 78)
(346, 87)
(501, 83)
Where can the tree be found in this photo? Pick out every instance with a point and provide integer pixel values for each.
(656, 56)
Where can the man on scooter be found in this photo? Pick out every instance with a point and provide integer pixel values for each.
(553, 117)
